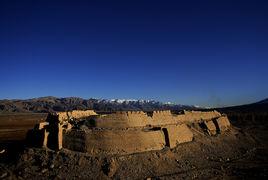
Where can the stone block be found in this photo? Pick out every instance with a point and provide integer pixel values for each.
(223, 123)
(177, 134)
(210, 127)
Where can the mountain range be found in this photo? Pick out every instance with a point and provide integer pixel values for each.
(52, 104)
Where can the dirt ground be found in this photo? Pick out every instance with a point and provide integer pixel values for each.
(240, 153)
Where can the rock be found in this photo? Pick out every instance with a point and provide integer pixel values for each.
(58, 177)
(122, 158)
(31, 151)
(44, 171)
(83, 127)
(24, 157)
(3, 175)
(109, 167)
(52, 166)
(81, 161)
(21, 178)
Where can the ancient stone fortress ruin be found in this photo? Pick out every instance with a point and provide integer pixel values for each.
(128, 131)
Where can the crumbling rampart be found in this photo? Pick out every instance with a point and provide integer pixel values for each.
(123, 132)
(114, 141)
(77, 114)
(131, 119)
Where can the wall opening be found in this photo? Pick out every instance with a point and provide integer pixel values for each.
(217, 126)
(53, 131)
(150, 113)
(155, 129)
(204, 127)
(166, 137)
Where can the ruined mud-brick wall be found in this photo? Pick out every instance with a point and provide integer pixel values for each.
(127, 119)
(123, 119)
(96, 141)
(53, 128)
(77, 114)
(156, 118)
(137, 131)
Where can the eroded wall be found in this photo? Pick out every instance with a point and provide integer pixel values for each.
(136, 131)
(222, 123)
(77, 114)
(156, 118)
(122, 120)
(114, 141)
(178, 134)
(210, 127)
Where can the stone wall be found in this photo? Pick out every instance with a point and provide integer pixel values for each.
(156, 118)
(222, 123)
(122, 120)
(77, 114)
(162, 118)
(178, 134)
(197, 116)
(74, 140)
(117, 133)
(136, 131)
(62, 116)
(210, 128)
(113, 141)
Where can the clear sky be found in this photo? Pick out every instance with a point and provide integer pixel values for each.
(208, 53)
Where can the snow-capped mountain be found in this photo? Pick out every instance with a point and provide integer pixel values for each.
(51, 104)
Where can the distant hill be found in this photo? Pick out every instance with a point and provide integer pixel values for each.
(258, 107)
(52, 104)
(265, 101)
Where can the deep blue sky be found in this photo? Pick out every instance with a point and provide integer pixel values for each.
(209, 53)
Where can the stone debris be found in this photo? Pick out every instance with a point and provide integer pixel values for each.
(109, 167)
(3, 175)
(44, 171)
